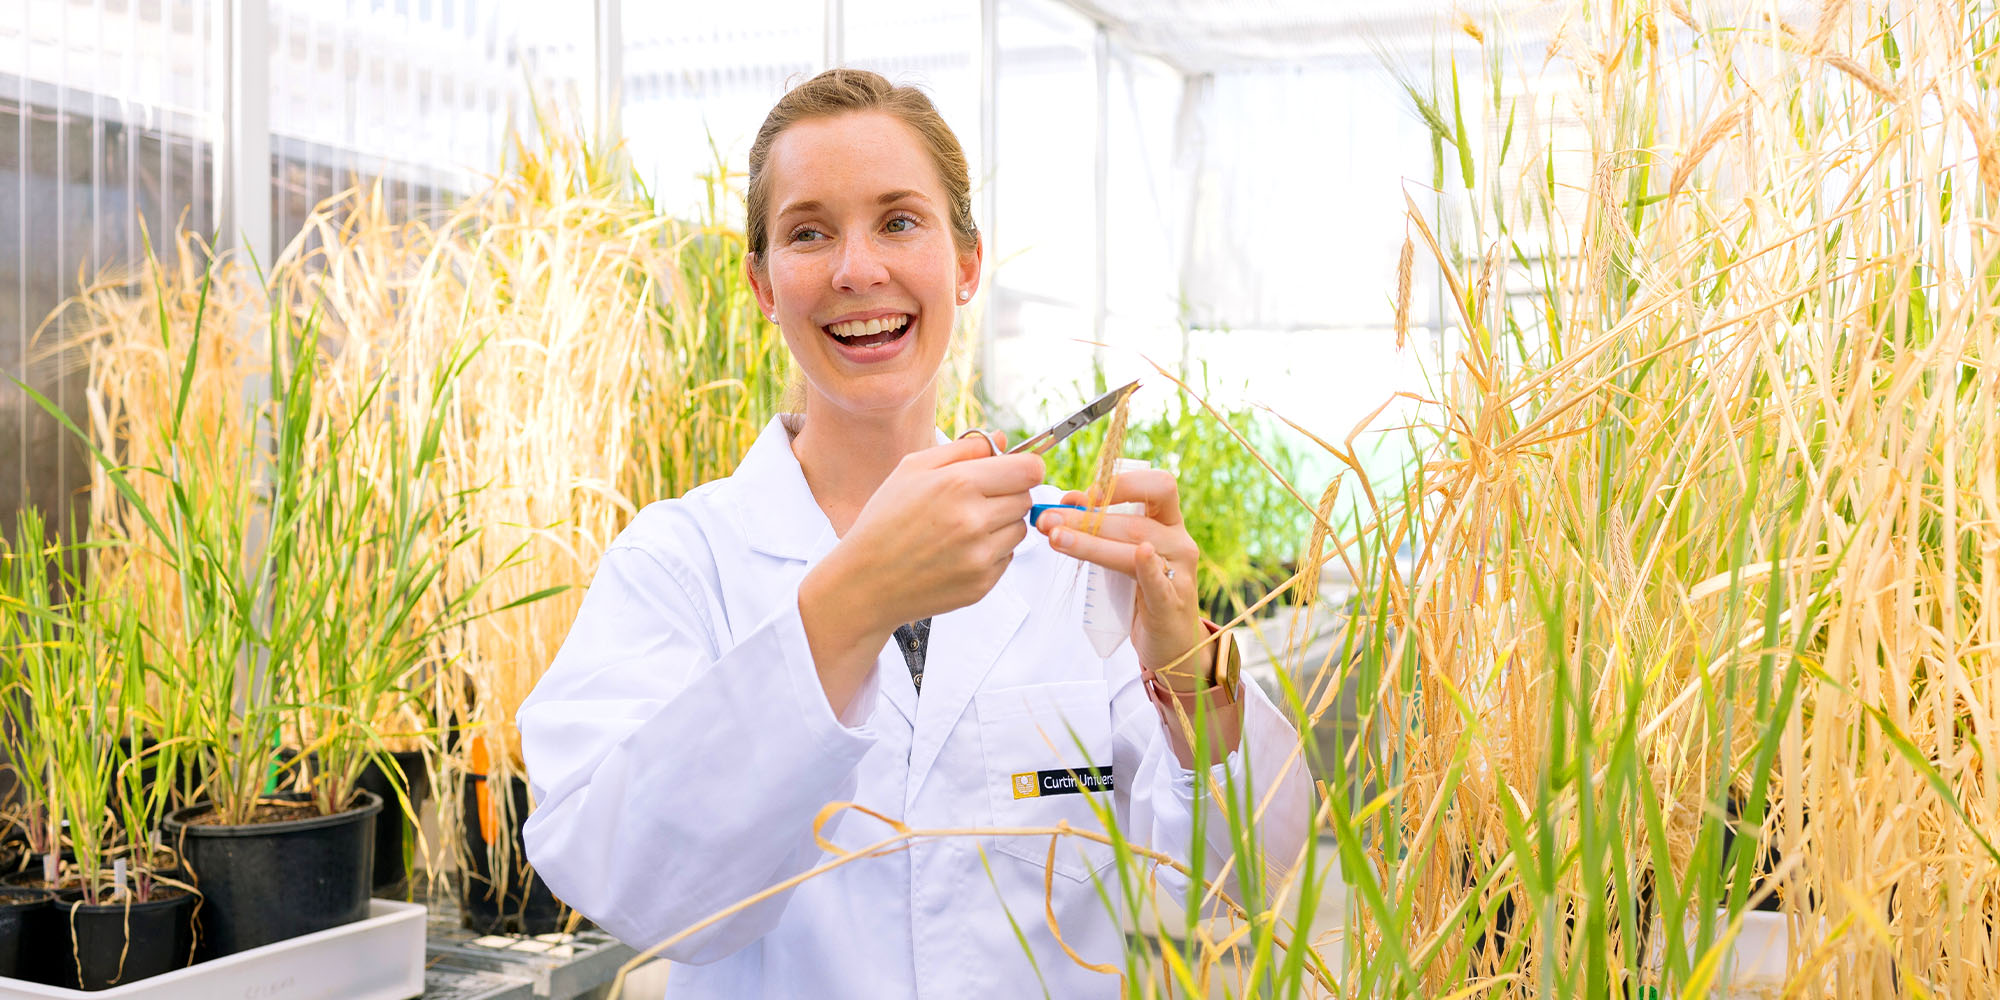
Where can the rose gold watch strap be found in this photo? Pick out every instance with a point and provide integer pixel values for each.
(1219, 694)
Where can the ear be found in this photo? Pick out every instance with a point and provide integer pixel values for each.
(765, 300)
(969, 270)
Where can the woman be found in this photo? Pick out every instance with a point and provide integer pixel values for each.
(732, 670)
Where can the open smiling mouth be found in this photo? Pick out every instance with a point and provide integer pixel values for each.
(865, 333)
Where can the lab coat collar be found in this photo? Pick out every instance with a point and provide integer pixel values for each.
(776, 509)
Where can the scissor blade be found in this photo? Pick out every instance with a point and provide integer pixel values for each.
(1077, 421)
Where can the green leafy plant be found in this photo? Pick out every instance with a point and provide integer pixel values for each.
(281, 571)
(381, 527)
(70, 688)
(229, 547)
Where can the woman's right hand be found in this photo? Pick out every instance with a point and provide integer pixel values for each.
(935, 536)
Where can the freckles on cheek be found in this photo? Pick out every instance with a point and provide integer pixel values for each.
(794, 273)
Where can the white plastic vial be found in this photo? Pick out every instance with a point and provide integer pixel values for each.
(1108, 595)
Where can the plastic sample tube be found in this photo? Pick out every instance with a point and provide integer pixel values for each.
(1108, 594)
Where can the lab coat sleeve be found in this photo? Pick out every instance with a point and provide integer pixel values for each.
(1267, 771)
(673, 778)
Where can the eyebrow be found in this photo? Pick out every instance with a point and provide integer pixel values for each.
(886, 198)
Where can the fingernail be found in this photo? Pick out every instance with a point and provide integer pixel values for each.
(1059, 537)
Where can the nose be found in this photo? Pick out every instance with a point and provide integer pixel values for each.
(859, 267)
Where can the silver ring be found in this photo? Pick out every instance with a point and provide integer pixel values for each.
(990, 443)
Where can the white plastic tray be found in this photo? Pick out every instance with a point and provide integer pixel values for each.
(1754, 965)
(377, 958)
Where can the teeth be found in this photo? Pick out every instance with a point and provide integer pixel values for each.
(865, 327)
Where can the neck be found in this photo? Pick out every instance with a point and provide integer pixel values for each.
(845, 455)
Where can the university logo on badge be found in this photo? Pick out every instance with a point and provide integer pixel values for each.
(1027, 785)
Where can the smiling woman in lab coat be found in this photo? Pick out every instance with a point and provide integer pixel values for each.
(861, 613)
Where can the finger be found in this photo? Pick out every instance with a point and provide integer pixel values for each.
(1105, 552)
(964, 449)
(996, 440)
(1134, 528)
(1005, 475)
(1156, 488)
(1173, 543)
(1163, 597)
(1011, 535)
(997, 513)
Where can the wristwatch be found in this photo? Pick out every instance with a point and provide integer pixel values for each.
(1223, 676)
(1228, 659)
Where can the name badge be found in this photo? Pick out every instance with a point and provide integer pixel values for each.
(1062, 781)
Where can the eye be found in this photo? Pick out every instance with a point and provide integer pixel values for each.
(804, 234)
(908, 223)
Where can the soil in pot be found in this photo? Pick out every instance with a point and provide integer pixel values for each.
(19, 910)
(286, 873)
(393, 835)
(514, 900)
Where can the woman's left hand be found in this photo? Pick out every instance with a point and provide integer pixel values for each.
(1153, 548)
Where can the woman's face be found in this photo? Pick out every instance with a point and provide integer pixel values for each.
(861, 272)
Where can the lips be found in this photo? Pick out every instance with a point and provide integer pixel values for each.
(872, 326)
(871, 339)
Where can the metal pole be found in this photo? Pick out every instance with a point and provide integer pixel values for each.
(989, 161)
(834, 49)
(242, 200)
(242, 192)
(1190, 152)
(1101, 165)
(608, 72)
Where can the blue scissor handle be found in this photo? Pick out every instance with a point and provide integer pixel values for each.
(1035, 512)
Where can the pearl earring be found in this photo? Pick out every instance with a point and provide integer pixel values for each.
(964, 296)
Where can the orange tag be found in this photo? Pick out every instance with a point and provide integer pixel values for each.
(483, 796)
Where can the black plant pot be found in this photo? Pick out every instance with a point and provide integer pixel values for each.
(265, 882)
(13, 847)
(110, 944)
(517, 901)
(20, 910)
(392, 827)
(1769, 860)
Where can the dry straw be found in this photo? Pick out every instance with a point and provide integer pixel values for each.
(1711, 545)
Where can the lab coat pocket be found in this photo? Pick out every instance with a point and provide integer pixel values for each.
(1048, 759)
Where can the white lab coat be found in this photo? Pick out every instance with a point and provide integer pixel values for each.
(680, 747)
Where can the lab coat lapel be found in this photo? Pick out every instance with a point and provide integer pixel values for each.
(776, 512)
(964, 646)
(779, 517)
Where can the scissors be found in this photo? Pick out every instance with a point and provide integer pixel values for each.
(1041, 443)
